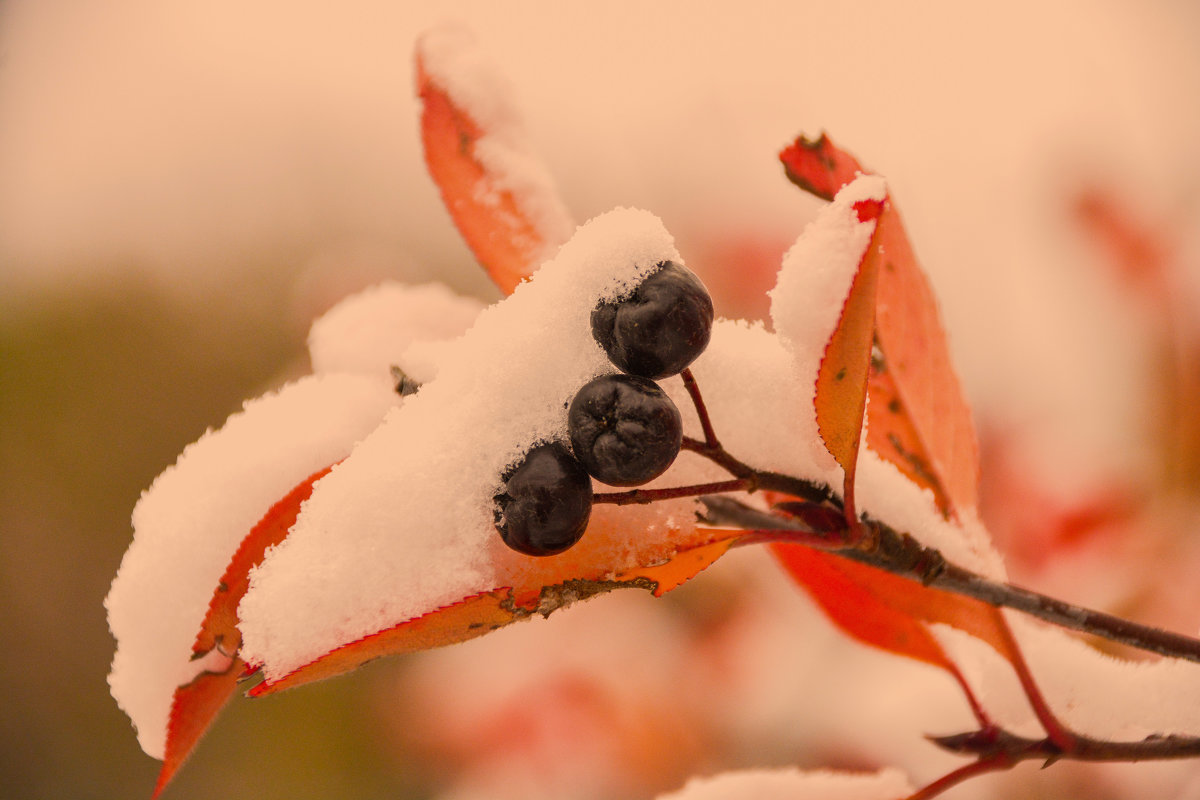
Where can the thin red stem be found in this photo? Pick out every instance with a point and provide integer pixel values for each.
(1056, 732)
(982, 766)
(693, 390)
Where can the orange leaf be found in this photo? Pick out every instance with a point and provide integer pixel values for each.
(916, 357)
(495, 223)
(485, 612)
(917, 416)
(466, 619)
(195, 705)
(841, 395)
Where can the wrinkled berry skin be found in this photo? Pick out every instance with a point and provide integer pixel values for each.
(624, 429)
(659, 329)
(546, 502)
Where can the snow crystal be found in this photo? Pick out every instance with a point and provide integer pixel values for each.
(452, 59)
(390, 325)
(190, 522)
(792, 783)
(404, 525)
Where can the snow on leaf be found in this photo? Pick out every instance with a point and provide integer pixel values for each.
(195, 705)
(187, 525)
(917, 416)
(390, 325)
(549, 590)
(219, 629)
(405, 525)
(888, 352)
(498, 192)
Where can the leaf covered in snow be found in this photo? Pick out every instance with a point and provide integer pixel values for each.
(886, 368)
(496, 189)
(917, 416)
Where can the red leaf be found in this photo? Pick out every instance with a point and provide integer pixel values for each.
(1140, 254)
(193, 708)
(195, 705)
(496, 224)
(891, 613)
(872, 606)
(819, 167)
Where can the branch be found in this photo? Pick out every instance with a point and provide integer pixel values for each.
(885, 548)
(997, 749)
(901, 554)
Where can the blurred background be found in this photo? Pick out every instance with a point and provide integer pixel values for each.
(185, 186)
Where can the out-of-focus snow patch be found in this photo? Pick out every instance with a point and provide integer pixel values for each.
(592, 705)
(791, 784)
(190, 522)
(390, 325)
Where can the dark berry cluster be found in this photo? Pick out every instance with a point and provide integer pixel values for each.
(623, 428)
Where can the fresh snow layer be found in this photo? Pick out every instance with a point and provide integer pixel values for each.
(453, 61)
(404, 525)
(390, 325)
(794, 784)
(190, 522)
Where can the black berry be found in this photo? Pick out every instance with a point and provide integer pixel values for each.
(546, 502)
(624, 429)
(659, 329)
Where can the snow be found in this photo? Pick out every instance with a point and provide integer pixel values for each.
(817, 271)
(1097, 694)
(192, 519)
(790, 784)
(404, 525)
(390, 325)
